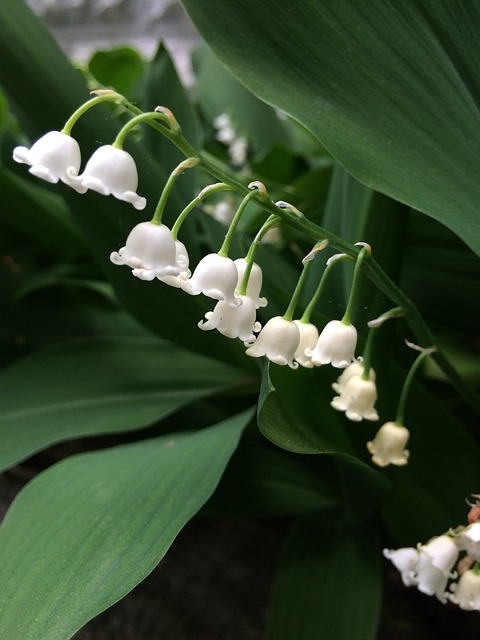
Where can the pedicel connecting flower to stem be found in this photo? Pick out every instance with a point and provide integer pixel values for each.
(216, 275)
(338, 340)
(388, 446)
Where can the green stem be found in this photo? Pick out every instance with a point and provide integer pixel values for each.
(352, 300)
(110, 96)
(367, 352)
(271, 221)
(212, 188)
(224, 249)
(131, 124)
(321, 285)
(407, 384)
(185, 164)
(288, 315)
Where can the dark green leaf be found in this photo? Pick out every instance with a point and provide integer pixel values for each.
(329, 582)
(391, 89)
(120, 68)
(93, 386)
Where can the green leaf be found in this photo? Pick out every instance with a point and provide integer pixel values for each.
(391, 89)
(99, 385)
(329, 582)
(120, 68)
(86, 531)
(285, 413)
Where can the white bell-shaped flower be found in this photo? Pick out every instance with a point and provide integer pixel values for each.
(335, 346)
(467, 592)
(150, 251)
(434, 568)
(255, 281)
(182, 262)
(405, 560)
(216, 277)
(469, 540)
(308, 339)
(111, 171)
(388, 446)
(278, 340)
(354, 369)
(233, 322)
(357, 399)
(55, 156)
(429, 567)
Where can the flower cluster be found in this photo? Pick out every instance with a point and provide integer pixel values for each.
(153, 252)
(110, 171)
(447, 567)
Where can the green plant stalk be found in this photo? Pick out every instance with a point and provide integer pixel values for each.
(271, 221)
(352, 300)
(225, 248)
(288, 315)
(406, 387)
(212, 188)
(176, 173)
(371, 268)
(103, 96)
(318, 292)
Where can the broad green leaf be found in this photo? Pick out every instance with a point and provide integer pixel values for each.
(220, 93)
(86, 531)
(99, 385)
(389, 88)
(329, 582)
(120, 68)
(286, 416)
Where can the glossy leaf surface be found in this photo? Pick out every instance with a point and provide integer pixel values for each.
(391, 89)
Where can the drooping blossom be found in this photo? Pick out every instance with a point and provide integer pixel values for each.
(278, 340)
(428, 567)
(150, 251)
(388, 446)
(216, 277)
(53, 157)
(182, 261)
(335, 345)
(357, 399)
(354, 369)
(111, 171)
(466, 593)
(255, 281)
(308, 339)
(233, 322)
(469, 540)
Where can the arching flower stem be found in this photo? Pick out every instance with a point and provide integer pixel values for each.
(204, 193)
(352, 300)
(185, 164)
(149, 116)
(321, 285)
(271, 222)
(408, 381)
(256, 188)
(103, 95)
(307, 263)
